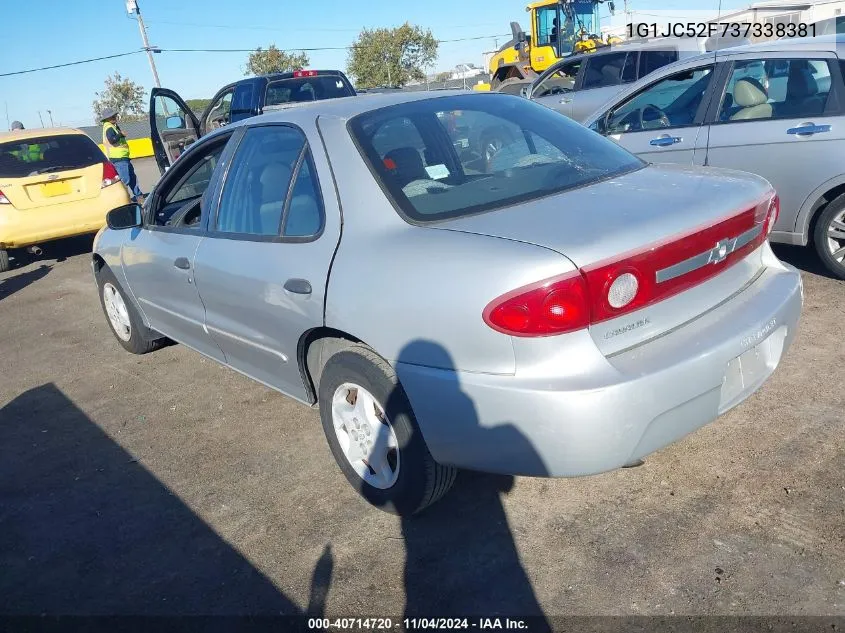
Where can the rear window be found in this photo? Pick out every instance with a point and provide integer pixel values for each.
(453, 156)
(298, 89)
(44, 154)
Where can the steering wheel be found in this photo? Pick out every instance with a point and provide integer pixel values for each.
(658, 118)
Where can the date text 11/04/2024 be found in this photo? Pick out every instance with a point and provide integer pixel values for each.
(721, 29)
(418, 624)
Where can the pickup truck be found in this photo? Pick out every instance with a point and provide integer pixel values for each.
(173, 126)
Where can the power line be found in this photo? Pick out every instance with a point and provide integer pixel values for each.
(76, 63)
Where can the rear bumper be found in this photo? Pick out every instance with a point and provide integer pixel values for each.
(20, 228)
(652, 396)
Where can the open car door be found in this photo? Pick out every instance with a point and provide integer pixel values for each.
(173, 126)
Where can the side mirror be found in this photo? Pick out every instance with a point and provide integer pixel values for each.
(174, 123)
(126, 217)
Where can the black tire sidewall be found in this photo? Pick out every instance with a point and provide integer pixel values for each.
(820, 237)
(415, 463)
(136, 344)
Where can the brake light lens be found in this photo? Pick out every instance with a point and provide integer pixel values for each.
(110, 176)
(4, 199)
(552, 306)
(304, 73)
(633, 281)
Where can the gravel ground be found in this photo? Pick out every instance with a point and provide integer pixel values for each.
(166, 484)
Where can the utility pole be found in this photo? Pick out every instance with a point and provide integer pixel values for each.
(40, 119)
(50, 112)
(133, 8)
(8, 125)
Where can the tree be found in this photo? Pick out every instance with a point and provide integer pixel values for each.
(273, 60)
(198, 106)
(391, 57)
(122, 94)
(443, 77)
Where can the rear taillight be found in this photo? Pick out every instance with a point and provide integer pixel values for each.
(772, 217)
(611, 289)
(305, 73)
(553, 306)
(4, 199)
(110, 176)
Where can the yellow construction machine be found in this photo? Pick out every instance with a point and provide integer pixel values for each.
(559, 28)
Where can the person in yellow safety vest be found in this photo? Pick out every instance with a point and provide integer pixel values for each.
(29, 152)
(117, 151)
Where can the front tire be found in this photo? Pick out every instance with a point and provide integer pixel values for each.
(829, 237)
(374, 436)
(121, 315)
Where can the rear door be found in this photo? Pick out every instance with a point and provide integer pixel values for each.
(662, 121)
(262, 271)
(555, 89)
(173, 126)
(779, 117)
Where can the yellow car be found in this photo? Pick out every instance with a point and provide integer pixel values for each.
(54, 183)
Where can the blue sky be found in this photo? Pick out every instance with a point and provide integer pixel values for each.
(43, 35)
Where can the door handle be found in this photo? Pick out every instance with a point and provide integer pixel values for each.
(808, 129)
(298, 286)
(183, 263)
(566, 100)
(665, 140)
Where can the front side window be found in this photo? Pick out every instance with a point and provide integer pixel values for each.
(776, 89)
(255, 194)
(610, 70)
(547, 25)
(482, 152)
(558, 81)
(671, 102)
(46, 154)
(241, 102)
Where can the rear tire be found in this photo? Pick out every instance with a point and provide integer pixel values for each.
(829, 237)
(121, 315)
(411, 480)
(5, 265)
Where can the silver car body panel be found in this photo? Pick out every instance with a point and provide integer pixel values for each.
(583, 402)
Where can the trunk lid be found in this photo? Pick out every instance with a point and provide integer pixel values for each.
(57, 187)
(637, 213)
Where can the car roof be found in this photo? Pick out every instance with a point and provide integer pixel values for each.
(22, 135)
(348, 107)
(822, 43)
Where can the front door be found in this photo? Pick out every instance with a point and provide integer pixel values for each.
(262, 271)
(159, 258)
(173, 126)
(779, 118)
(661, 123)
(556, 88)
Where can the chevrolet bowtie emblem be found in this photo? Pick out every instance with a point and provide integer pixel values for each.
(720, 251)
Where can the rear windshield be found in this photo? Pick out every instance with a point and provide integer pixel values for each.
(295, 90)
(452, 156)
(44, 154)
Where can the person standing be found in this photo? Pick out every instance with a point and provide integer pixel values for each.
(28, 152)
(117, 151)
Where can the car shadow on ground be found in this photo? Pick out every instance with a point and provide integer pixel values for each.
(87, 530)
(57, 250)
(460, 553)
(803, 258)
(19, 281)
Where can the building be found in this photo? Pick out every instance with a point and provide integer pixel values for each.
(787, 12)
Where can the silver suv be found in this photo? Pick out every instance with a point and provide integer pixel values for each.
(577, 85)
(775, 109)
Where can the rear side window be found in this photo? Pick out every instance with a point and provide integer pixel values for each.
(481, 152)
(45, 154)
(258, 198)
(610, 70)
(298, 89)
(652, 60)
(242, 102)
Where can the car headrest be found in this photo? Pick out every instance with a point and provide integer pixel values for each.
(406, 163)
(801, 83)
(749, 92)
(274, 180)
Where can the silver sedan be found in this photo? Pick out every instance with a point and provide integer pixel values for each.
(559, 309)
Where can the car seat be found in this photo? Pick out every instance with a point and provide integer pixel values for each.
(802, 93)
(273, 186)
(751, 96)
(405, 165)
